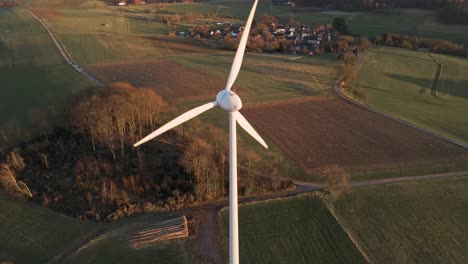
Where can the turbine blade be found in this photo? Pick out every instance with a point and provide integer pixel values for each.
(247, 127)
(177, 121)
(237, 63)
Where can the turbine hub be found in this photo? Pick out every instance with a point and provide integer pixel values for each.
(229, 101)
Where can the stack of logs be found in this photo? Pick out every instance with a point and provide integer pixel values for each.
(170, 229)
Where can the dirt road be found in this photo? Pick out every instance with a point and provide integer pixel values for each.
(63, 51)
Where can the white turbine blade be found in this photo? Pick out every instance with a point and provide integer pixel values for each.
(248, 127)
(177, 121)
(236, 65)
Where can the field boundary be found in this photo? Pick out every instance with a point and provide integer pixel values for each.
(61, 48)
(338, 91)
(349, 233)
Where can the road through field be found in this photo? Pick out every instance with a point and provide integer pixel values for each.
(62, 50)
(301, 188)
(338, 91)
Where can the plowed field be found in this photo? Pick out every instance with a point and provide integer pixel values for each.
(319, 131)
(47, 13)
(171, 80)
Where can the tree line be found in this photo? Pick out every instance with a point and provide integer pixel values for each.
(89, 169)
(360, 5)
(414, 42)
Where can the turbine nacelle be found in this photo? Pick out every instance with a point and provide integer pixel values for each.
(228, 101)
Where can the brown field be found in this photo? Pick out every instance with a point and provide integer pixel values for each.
(47, 13)
(171, 80)
(318, 132)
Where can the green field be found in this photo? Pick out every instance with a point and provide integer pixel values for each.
(34, 73)
(114, 248)
(405, 21)
(33, 234)
(267, 79)
(297, 230)
(392, 79)
(270, 78)
(420, 222)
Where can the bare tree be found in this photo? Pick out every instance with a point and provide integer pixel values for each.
(337, 182)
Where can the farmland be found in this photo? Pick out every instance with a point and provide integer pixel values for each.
(393, 80)
(319, 132)
(35, 76)
(96, 48)
(303, 77)
(115, 247)
(32, 233)
(163, 76)
(420, 222)
(297, 230)
(405, 21)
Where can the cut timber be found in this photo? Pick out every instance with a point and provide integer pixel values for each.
(170, 229)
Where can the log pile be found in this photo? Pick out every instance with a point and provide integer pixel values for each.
(170, 229)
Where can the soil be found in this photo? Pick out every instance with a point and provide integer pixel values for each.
(318, 132)
(173, 81)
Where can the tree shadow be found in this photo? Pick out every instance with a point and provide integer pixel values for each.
(404, 56)
(421, 82)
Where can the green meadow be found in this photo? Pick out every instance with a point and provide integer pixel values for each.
(32, 233)
(34, 75)
(296, 230)
(394, 81)
(115, 248)
(419, 222)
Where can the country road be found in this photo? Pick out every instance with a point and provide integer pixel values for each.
(338, 91)
(63, 51)
(301, 188)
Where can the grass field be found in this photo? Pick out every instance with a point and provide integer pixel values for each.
(297, 230)
(420, 222)
(115, 248)
(392, 79)
(33, 234)
(33, 72)
(405, 21)
(262, 78)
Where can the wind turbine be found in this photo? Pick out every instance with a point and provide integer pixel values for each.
(230, 102)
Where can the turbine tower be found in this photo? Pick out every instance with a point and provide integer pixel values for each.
(230, 102)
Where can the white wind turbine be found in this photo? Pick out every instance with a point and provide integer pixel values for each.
(231, 102)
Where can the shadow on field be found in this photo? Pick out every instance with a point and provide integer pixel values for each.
(404, 56)
(458, 88)
(421, 82)
(373, 88)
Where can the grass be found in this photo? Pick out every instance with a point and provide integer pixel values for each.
(31, 233)
(33, 72)
(114, 248)
(297, 230)
(453, 81)
(270, 78)
(89, 48)
(405, 21)
(266, 79)
(420, 222)
(392, 79)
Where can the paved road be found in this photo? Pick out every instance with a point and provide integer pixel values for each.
(301, 188)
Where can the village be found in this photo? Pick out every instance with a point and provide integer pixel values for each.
(271, 36)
